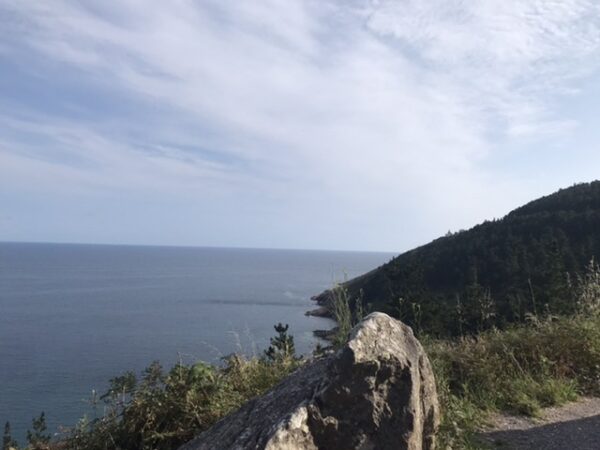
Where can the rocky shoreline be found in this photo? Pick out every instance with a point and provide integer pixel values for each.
(322, 311)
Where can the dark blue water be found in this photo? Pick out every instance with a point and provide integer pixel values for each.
(73, 316)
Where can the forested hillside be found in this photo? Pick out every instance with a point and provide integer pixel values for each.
(495, 273)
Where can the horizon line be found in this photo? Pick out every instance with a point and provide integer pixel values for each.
(219, 247)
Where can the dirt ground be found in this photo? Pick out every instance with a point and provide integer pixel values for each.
(575, 426)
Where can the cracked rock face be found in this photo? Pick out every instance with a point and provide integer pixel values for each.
(378, 392)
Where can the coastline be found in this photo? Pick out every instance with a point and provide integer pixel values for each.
(324, 311)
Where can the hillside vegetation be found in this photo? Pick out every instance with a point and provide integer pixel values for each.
(520, 370)
(543, 362)
(508, 312)
(496, 273)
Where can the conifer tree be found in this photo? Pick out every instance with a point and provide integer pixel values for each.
(38, 439)
(8, 443)
(282, 345)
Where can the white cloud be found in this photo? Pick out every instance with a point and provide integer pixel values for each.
(508, 57)
(385, 109)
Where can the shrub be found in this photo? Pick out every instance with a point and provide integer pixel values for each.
(519, 370)
(164, 409)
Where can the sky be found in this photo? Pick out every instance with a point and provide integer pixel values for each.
(349, 125)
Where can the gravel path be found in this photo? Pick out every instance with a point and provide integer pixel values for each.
(575, 426)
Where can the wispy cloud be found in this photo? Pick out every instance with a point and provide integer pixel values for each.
(508, 58)
(320, 120)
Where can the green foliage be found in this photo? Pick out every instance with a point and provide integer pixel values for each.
(342, 314)
(500, 271)
(520, 370)
(8, 443)
(345, 314)
(588, 290)
(121, 387)
(282, 345)
(544, 362)
(38, 439)
(163, 409)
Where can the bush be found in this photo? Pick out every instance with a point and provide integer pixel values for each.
(161, 409)
(520, 370)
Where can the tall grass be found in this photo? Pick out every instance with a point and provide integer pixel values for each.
(519, 370)
(345, 314)
(546, 361)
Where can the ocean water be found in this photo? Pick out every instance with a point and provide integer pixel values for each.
(74, 316)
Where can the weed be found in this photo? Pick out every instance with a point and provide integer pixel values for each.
(344, 313)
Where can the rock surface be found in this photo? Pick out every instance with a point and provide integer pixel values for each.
(378, 392)
(321, 311)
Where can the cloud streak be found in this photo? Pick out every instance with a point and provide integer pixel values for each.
(324, 124)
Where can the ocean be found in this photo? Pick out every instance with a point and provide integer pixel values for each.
(73, 316)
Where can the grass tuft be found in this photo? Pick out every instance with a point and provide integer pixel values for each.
(519, 370)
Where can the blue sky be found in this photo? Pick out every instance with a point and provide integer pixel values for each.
(359, 125)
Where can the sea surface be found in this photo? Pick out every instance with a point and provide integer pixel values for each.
(73, 316)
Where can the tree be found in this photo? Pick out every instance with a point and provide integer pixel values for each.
(8, 443)
(38, 439)
(282, 345)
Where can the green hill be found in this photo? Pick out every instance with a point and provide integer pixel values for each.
(496, 272)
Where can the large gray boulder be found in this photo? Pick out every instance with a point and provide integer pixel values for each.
(376, 393)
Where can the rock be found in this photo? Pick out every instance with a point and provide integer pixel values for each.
(321, 311)
(324, 298)
(327, 335)
(376, 393)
